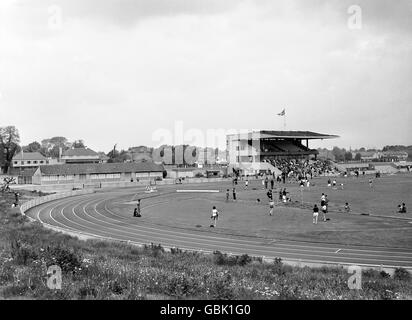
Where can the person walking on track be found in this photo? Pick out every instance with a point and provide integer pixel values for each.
(214, 217)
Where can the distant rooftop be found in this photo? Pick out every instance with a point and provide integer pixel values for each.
(29, 156)
(100, 168)
(80, 152)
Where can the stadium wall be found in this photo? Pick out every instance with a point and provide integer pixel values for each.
(119, 184)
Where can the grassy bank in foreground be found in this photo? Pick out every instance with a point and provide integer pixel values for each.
(108, 270)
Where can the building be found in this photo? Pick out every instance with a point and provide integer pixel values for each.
(258, 151)
(24, 164)
(103, 157)
(205, 156)
(368, 155)
(140, 154)
(28, 160)
(80, 155)
(393, 156)
(94, 173)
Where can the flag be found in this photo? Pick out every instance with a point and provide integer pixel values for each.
(282, 113)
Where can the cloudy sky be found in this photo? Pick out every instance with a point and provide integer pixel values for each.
(128, 71)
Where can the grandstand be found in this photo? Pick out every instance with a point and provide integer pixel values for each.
(260, 151)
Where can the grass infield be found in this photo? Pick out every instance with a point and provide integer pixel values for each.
(373, 219)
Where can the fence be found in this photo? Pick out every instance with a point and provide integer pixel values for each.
(40, 200)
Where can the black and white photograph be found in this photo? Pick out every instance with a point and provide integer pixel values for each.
(205, 157)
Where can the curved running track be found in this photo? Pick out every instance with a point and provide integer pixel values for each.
(90, 215)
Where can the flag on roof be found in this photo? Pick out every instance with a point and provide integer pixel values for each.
(282, 113)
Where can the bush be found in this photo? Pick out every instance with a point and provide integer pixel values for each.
(22, 254)
(277, 266)
(115, 287)
(401, 274)
(67, 260)
(244, 259)
(87, 291)
(14, 290)
(223, 259)
(180, 286)
(175, 250)
(371, 273)
(153, 250)
(221, 287)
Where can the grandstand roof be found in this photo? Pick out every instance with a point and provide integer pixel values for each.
(298, 134)
(270, 134)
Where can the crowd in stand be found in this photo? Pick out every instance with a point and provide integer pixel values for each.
(302, 169)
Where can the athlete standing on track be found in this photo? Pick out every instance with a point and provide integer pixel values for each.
(214, 217)
(324, 210)
(315, 214)
(327, 203)
(271, 206)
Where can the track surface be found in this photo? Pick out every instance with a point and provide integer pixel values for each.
(90, 215)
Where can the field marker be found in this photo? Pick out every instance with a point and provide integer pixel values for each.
(338, 250)
(189, 191)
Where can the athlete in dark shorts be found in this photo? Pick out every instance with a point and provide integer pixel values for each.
(315, 214)
(214, 217)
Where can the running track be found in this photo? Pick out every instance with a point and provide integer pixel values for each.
(90, 215)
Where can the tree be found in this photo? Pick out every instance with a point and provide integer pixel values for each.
(113, 155)
(9, 144)
(33, 147)
(50, 147)
(339, 154)
(348, 156)
(78, 144)
(116, 156)
(358, 157)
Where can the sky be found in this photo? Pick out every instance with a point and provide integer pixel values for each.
(137, 72)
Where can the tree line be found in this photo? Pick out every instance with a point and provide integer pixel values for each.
(10, 146)
(341, 154)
